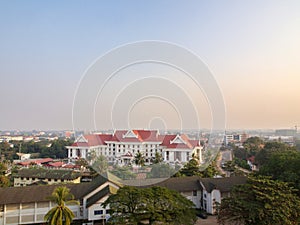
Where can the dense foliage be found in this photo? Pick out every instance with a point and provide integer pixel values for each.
(284, 166)
(261, 201)
(4, 180)
(131, 205)
(270, 148)
(54, 149)
(192, 168)
(161, 170)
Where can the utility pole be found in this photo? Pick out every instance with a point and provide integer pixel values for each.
(20, 150)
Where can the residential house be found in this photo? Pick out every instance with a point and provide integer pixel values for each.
(214, 189)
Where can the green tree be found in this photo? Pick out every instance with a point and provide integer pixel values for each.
(4, 180)
(192, 168)
(284, 166)
(189, 169)
(161, 170)
(131, 205)
(158, 158)
(57, 149)
(60, 214)
(260, 201)
(271, 147)
(250, 148)
(139, 159)
(100, 164)
(123, 172)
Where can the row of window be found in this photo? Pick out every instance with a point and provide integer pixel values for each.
(37, 179)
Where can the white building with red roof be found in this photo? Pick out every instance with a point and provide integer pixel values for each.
(121, 146)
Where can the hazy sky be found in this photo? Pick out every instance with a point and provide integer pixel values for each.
(252, 48)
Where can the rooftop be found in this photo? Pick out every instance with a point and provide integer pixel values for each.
(47, 173)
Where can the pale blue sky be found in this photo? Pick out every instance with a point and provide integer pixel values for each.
(252, 47)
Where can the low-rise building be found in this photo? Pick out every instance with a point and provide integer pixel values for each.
(205, 193)
(30, 176)
(29, 205)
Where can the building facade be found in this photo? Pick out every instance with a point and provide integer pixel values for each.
(121, 146)
(31, 176)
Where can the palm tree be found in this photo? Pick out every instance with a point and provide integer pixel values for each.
(139, 159)
(61, 214)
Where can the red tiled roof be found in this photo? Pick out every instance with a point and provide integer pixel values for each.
(142, 136)
(167, 139)
(251, 159)
(35, 161)
(71, 166)
(56, 164)
(93, 140)
(80, 144)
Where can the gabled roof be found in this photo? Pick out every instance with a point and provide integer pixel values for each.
(173, 141)
(100, 194)
(36, 193)
(185, 184)
(139, 136)
(224, 184)
(28, 162)
(92, 140)
(47, 173)
(180, 184)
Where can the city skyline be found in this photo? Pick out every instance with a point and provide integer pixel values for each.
(251, 47)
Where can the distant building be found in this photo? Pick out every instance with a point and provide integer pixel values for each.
(30, 162)
(31, 176)
(235, 138)
(121, 146)
(286, 132)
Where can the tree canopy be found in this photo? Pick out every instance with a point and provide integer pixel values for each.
(192, 168)
(131, 205)
(139, 159)
(261, 201)
(271, 147)
(284, 166)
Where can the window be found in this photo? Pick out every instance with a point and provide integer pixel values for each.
(98, 212)
(194, 193)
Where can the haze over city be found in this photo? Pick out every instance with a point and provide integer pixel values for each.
(251, 47)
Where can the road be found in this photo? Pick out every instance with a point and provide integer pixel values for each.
(224, 156)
